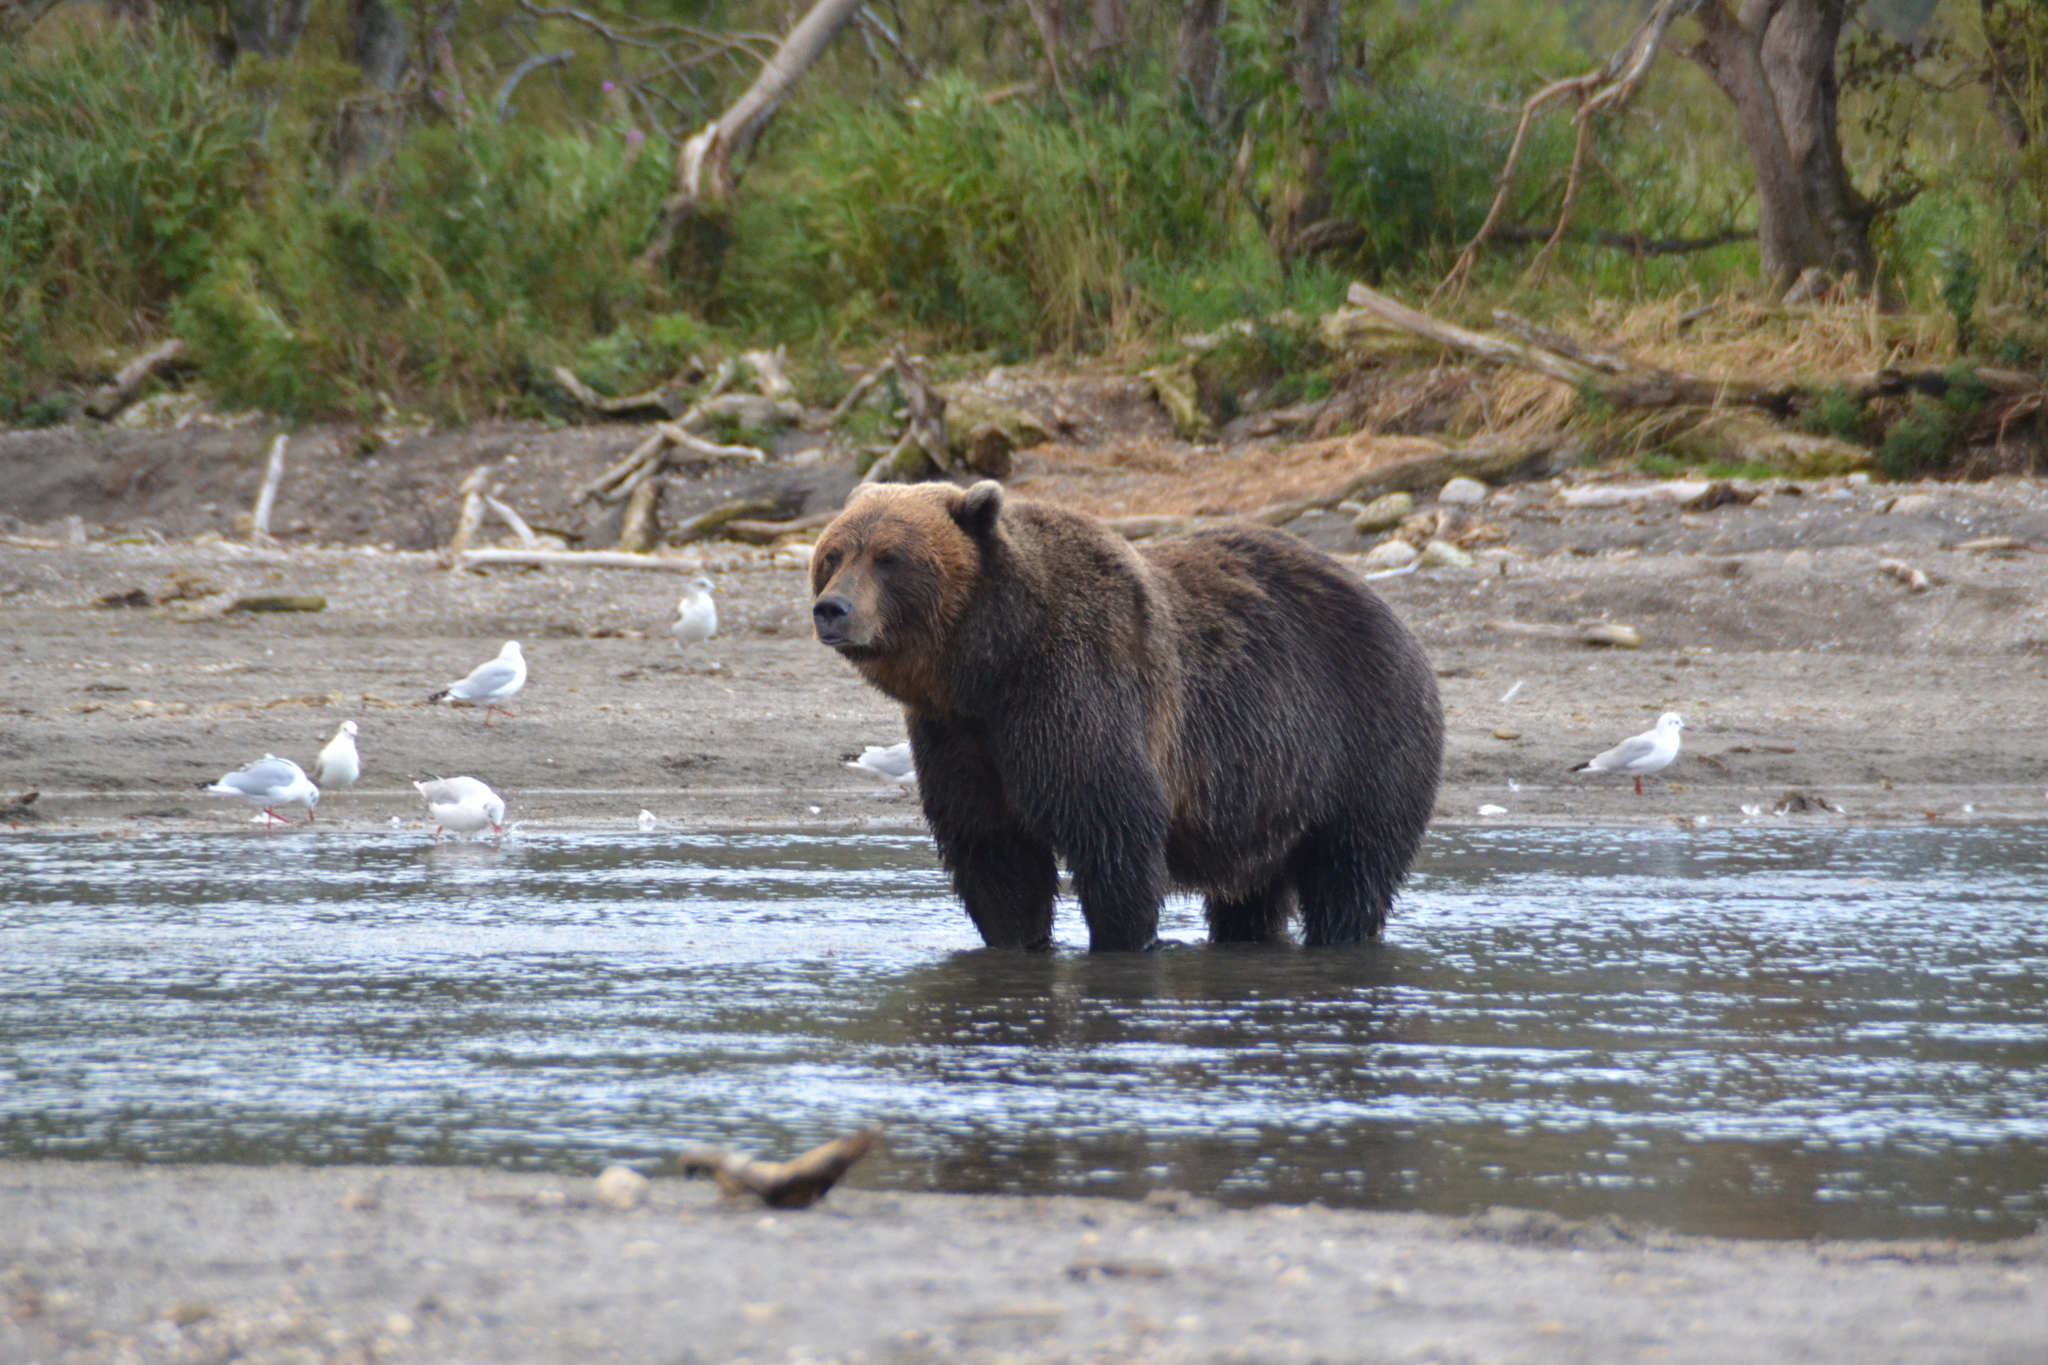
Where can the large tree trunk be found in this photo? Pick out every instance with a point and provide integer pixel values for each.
(267, 28)
(1306, 201)
(1112, 20)
(1200, 63)
(2013, 33)
(1775, 61)
(381, 47)
(697, 220)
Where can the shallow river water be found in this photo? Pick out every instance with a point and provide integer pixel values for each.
(1754, 1032)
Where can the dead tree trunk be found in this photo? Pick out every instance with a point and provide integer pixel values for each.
(1306, 201)
(367, 128)
(267, 28)
(1775, 61)
(1112, 20)
(2013, 42)
(1200, 62)
(696, 222)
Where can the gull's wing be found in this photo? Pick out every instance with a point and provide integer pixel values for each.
(1626, 754)
(264, 775)
(892, 760)
(485, 679)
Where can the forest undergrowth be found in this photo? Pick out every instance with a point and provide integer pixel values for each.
(983, 211)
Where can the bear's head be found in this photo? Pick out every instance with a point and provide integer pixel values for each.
(893, 572)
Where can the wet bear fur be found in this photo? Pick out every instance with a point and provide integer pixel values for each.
(1227, 712)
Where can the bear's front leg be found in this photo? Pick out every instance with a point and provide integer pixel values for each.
(1006, 877)
(1116, 849)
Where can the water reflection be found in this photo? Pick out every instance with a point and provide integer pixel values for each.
(1743, 1031)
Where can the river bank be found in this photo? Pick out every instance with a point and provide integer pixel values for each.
(114, 1263)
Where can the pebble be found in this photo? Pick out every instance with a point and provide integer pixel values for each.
(1441, 554)
(621, 1187)
(1463, 492)
(1383, 513)
(1505, 733)
(1394, 554)
(1493, 810)
(1913, 505)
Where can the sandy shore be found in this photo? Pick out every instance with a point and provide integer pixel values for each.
(111, 1263)
(1803, 668)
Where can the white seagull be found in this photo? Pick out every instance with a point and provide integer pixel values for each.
(267, 783)
(490, 683)
(462, 804)
(339, 765)
(696, 615)
(892, 762)
(1649, 752)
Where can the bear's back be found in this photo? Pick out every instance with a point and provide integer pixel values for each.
(1299, 686)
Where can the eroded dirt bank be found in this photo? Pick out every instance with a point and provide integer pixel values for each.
(110, 1263)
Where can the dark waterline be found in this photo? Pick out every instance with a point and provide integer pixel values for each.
(1751, 1032)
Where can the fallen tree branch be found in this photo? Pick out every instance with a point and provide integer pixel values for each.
(574, 559)
(1633, 242)
(522, 71)
(794, 1184)
(1638, 386)
(110, 399)
(768, 532)
(513, 522)
(266, 497)
(472, 516)
(1607, 86)
(653, 401)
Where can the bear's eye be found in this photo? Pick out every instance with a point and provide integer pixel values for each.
(888, 559)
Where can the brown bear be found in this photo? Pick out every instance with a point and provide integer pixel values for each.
(1228, 712)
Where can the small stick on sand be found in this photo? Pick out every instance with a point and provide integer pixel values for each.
(266, 499)
(794, 1184)
(513, 521)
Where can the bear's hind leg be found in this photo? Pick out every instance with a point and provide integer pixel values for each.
(1346, 885)
(1255, 917)
(1009, 883)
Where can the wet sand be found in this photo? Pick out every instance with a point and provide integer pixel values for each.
(110, 1263)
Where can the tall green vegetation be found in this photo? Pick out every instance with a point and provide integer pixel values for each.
(147, 189)
(122, 162)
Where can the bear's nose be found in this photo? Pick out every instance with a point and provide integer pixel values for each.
(830, 614)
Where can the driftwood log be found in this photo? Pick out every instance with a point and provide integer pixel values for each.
(574, 559)
(640, 530)
(705, 525)
(794, 1184)
(658, 403)
(1625, 382)
(671, 446)
(768, 532)
(109, 400)
(266, 498)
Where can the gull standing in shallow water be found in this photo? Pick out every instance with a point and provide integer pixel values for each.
(462, 804)
(1649, 752)
(490, 683)
(696, 615)
(339, 765)
(891, 762)
(267, 783)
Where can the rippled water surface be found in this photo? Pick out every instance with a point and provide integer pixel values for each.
(1745, 1031)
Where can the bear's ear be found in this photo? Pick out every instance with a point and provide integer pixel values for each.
(979, 508)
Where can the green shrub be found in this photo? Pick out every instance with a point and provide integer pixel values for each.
(122, 162)
(472, 260)
(979, 224)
